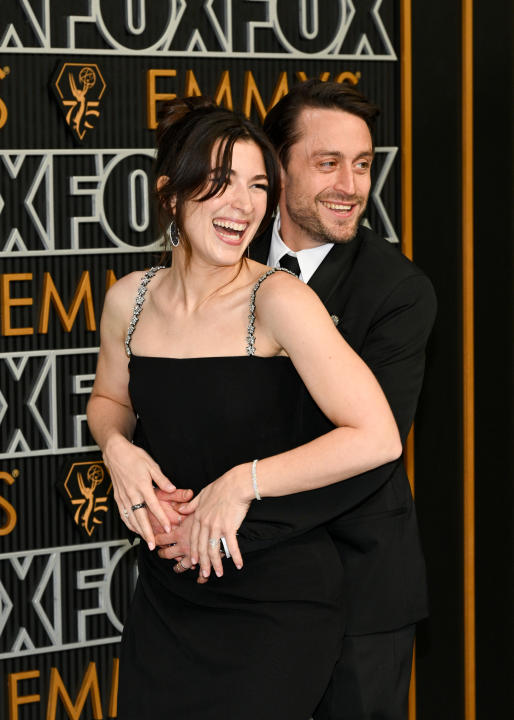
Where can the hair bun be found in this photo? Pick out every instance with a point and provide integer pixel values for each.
(172, 111)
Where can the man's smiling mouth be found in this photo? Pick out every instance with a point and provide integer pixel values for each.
(338, 206)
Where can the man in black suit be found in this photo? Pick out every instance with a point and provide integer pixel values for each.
(384, 307)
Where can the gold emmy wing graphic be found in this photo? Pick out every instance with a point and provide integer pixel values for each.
(79, 88)
(87, 487)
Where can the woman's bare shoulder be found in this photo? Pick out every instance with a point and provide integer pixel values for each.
(285, 303)
(121, 297)
(283, 287)
(125, 288)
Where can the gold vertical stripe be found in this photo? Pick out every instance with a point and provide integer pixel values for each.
(468, 400)
(409, 458)
(412, 686)
(406, 173)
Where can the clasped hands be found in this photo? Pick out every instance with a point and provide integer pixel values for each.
(197, 524)
(185, 527)
(175, 544)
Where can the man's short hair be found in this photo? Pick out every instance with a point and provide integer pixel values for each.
(281, 123)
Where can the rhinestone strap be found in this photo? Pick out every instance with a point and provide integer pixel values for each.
(138, 306)
(250, 338)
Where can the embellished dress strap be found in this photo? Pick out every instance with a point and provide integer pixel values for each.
(250, 338)
(138, 305)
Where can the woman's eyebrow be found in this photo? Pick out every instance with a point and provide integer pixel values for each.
(255, 177)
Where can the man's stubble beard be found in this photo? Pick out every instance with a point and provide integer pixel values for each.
(312, 224)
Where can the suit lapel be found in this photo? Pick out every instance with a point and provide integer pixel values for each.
(259, 247)
(327, 273)
(330, 276)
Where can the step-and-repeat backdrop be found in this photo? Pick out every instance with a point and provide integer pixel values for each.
(80, 86)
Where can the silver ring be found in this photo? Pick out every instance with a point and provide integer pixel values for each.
(182, 565)
(214, 542)
(138, 506)
(125, 512)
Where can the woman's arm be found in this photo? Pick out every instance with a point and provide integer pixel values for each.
(112, 420)
(342, 386)
(291, 315)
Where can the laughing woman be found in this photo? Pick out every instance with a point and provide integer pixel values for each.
(200, 377)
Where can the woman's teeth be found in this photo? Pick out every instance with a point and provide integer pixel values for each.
(233, 228)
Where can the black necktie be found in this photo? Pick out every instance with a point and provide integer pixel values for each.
(290, 262)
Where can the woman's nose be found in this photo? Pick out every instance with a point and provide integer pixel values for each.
(241, 198)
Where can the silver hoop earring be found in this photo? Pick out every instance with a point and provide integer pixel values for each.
(173, 234)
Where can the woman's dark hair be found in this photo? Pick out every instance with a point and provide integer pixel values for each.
(188, 131)
(281, 123)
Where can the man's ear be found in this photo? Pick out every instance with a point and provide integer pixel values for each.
(283, 175)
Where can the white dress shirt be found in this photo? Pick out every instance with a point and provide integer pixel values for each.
(309, 260)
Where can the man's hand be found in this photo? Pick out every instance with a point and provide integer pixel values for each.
(169, 501)
(175, 545)
(179, 549)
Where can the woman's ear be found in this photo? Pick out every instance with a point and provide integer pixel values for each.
(161, 182)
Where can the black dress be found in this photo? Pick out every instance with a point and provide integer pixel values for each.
(259, 643)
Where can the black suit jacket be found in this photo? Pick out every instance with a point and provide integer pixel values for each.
(386, 308)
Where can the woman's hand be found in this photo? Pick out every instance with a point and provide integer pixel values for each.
(219, 509)
(175, 545)
(133, 473)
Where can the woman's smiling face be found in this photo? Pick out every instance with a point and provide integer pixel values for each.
(219, 229)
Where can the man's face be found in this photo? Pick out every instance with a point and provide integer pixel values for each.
(326, 184)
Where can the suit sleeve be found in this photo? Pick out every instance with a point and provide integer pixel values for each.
(394, 349)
